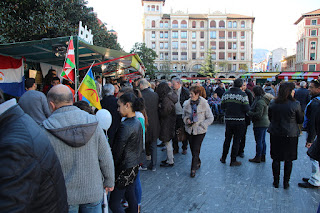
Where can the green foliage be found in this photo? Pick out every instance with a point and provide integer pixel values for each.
(166, 69)
(26, 20)
(223, 66)
(243, 67)
(147, 56)
(208, 68)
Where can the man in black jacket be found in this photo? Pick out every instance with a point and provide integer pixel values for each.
(151, 100)
(309, 125)
(235, 103)
(183, 95)
(31, 179)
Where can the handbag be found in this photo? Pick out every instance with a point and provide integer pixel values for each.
(181, 134)
(127, 177)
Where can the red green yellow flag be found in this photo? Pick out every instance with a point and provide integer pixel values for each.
(70, 63)
(88, 90)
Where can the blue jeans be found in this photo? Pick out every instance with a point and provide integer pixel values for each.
(216, 109)
(95, 207)
(138, 189)
(260, 137)
(118, 194)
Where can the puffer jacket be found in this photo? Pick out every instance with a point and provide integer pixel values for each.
(205, 117)
(128, 145)
(314, 150)
(31, 179)
(284, 118)
(259, 111)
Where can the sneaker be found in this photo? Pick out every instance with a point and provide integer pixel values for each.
(305, 179)
(255, 160)
(152, 168)
(235, 163)
(308, 185)
(166, 165)
(143, 168)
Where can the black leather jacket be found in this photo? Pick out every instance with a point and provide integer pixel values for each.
(284, 118)
(128, 145)
(31, 179)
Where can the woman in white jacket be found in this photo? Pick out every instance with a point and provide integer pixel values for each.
(197, 116)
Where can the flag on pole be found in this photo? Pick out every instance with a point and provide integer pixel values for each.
(88, 91)
(69, 63)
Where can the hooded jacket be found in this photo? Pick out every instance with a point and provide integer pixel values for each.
(84, 153)
(259, 111)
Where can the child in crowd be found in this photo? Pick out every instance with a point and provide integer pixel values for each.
(215, 104)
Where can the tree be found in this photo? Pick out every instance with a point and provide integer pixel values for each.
(147, 56)
(243, 67)
(223, 66)
(166, 69)
(26, 20)
(208, 68)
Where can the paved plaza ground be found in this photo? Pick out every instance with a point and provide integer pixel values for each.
(218, 187)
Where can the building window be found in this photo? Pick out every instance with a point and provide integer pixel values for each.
(161, 34)
(229, 24)
(234, 35)
(197, 67)
(242, 56)
(161, 24)
(194, 35)
(194, 24)
(229, 56)
(213, 45)
(184, 24)
(234, 67)
(229, 45)
(234, 24)
(153, 8)
(312, 67)
(202, 24)
(153, 24)
(153, 34)
(229, 35)
(213, 34)
(234, 45)
(221, 45)
(194, 56)
(201, 55)
(314, 22)
(166, 56)
(153, 45)
(242, 45)
(313, 32)
(242, 34)
(313, 45)
(221, 56)
(202, 45)
(221, 24)
(213, 24)
(174, 34)
(194, 45)
(184, 34)
(202, 34)
(213, 56)
(175, 24)
(222, 35)
(166, 45)
(166, 24)
(175, 56)
(157, 8)
(312, 56)
(234, 56)
(184, 45)
(184, 56)
(166, 34)
(161, 45)
(148, 7)
(174, 45)
(243, 24)
(174, 66)
(160, 66)
(183, 67)
(161, 56)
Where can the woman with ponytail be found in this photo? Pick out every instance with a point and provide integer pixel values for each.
(127, 150)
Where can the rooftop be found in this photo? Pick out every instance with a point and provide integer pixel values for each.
(312, 13)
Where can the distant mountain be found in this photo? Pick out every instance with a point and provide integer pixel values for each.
(259, 55)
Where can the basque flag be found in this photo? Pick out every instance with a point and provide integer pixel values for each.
(12, 75)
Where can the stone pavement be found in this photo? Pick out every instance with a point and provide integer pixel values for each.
(218, 187)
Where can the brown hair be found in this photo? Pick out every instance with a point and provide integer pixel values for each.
(195, 89)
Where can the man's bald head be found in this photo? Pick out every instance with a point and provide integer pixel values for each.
(58, 96)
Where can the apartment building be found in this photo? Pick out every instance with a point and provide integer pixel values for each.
(308, 46)
(182, 41)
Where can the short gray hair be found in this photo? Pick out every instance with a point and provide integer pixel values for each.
(303, 84)
(60, 94)
(176, 79)
(144, 83)
(108, 89)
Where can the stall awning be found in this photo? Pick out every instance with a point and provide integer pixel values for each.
(260, 75)
(291, 75)
(311, 75)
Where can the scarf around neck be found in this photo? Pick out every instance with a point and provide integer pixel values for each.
(194, 105)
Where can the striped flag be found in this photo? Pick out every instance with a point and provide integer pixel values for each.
(12, 75)
(70, 63)
(88, 91)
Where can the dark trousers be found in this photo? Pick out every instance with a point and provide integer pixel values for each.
(118, 194)
(153, 153)
(242, 143)
(179, 124)
(236, 132)
(276, 170)
(195, 142)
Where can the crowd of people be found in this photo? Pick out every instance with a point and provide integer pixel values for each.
(61, 156)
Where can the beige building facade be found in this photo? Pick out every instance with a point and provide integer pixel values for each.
(182, 41)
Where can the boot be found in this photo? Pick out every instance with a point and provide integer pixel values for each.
(287, 173)
(263, 158)
(256, 159)
(276, 173)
